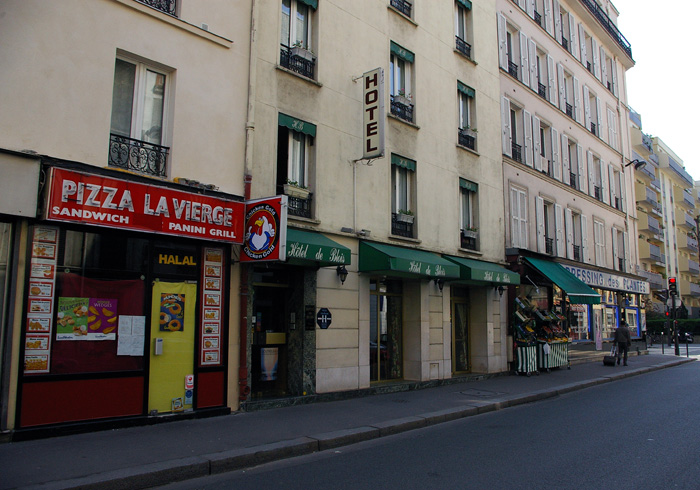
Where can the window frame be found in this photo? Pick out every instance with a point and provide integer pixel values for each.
(293, 27)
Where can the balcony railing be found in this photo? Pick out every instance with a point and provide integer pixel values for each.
(293, 60)
(401, 228)
(577, 253)
(301, 207)
(402, 6)
(517, 153)
(467, 139)
(549, 246)
(589, 67)
(402, 110)
(463, 47)
(569, 110)
(621, 264)
(513, 70)
(593, 129)
(597, 192)
(137, 156)
(167, 6)
(572, 180)
(647, 142)
(618, 203)
(468, 241)
(612, 29)
(542, 90)
(538, 18)
(565, 43)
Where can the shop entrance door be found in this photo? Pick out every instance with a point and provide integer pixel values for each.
(460, 336)
(172, 346)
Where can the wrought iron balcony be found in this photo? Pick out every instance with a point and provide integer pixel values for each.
(569, 110)
(621, 264)
(463, 47)
(400, 109)
(612, 29)
(400, 227)
(166, 6)
(542, 90)
(299, 206)
(572, 180)
(137, 156)
(565, 43)
(538, 18)
(467, 138)
(589, 67)
(593, 129)
(577, 253)
(517, 152)
(597, 192)
(402, 6)
(618, 203)
(549, 245)
(297, 60)
(513, 70)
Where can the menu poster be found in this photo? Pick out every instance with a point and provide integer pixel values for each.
(72, 319)
(172, 312)
(102, 319)
(212, 299)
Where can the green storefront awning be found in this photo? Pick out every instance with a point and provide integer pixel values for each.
(309, 248)
(480, 271)
(578, 291)
(404, 262)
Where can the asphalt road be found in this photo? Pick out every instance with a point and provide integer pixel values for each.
(636, 433)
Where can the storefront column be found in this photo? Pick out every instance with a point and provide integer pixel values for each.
(234, 337)
(446, 368)
(416, 331)
(363, 295)
(488, 333)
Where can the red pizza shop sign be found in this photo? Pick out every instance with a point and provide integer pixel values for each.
(103, 201)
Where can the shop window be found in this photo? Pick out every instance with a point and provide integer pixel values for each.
(385, 330)
(139, 115)
(467, 116)
(463, 28)
(295, 142)
(402, 205)
(469, 228)
(296, 50)
(401, 82)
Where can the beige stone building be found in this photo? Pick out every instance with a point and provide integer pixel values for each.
(568, 185)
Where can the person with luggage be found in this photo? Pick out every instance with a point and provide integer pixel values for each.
(623, 341)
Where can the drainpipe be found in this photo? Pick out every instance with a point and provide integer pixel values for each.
(243, 388)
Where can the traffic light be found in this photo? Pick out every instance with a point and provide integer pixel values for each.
(672, 286)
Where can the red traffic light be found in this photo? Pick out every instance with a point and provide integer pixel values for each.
(667, 314)
(672, 286)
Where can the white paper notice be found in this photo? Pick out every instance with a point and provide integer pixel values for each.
(132, 330)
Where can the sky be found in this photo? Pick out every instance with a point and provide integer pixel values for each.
(661, 84)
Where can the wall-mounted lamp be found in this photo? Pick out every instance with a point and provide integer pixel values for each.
(500, 290)
(342, 273)
(440, 283)
(638, 164)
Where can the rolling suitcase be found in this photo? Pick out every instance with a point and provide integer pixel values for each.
(610, 360)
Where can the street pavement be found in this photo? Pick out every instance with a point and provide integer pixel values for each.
(147, 456)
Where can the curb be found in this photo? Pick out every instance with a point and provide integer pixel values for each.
(162, 473)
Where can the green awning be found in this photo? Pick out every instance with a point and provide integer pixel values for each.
(406, 163)
(578, 292)
(296, 124)
(468, 185)
(480, 271)
(402, 53)
(465, 3)
(309, 248)
(404, 262)
(465, 89)
(314, 3)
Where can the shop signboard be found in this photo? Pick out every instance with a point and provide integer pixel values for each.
(265, 230)
(605, 280)
(98, 200)
(373, 114)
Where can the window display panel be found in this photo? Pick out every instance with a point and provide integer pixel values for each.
(579, 327)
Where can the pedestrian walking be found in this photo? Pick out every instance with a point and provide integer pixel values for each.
(623, 341)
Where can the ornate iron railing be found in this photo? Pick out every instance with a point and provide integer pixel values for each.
(549, 246)
(166, 6)
(401, 110)
(542, 90)
(572, 180)
(298, 64)
(466, 139)
(569, 110)
(513, 70)
(402, 6)
(593, 128)
(297, 206)
(597, 192)
(138, 156)
(401, 228)
(577, 253)
(565, 43)
(463, 47)
(538, 18)
(517, 152)
(612, 29)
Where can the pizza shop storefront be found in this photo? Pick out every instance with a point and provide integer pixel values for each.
(126, 297)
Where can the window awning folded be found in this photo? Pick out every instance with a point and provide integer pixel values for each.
(577, 291)
(480, 271)
(404, 262)
(309, 248)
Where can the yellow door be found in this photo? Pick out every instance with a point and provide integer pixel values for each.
(172, 345)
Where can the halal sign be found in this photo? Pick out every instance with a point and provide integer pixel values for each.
(265, 230)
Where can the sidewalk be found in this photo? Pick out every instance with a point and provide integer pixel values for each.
(141, 457)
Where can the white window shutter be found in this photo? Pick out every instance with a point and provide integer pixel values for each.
(523, 219)
(626, 247)
(569, 219)
(584, 239)
(582, 44)
(603, 67)
(528, 157)
(502, 44)
(623, 196)
(541, 238)
(548, 20)
(559, 227)
(586, 108)
(531, 8)
(556, 160)
(613, 76)
(611, 183)
(565, 166)
(532, 58)
(536, 146)
(612, 128)
(551, 79)
(524, 64)
(573, 42)
(604, 182)
(614, 250)
(556, 13)
(600, 118)
(582, 175)
(591, 174)
(577, 100)
(505, 127)
(514, 218)
(562, 87)
(521, 4)
(596, 61)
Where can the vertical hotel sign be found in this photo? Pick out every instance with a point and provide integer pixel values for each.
(373, 114)
(265, 230)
